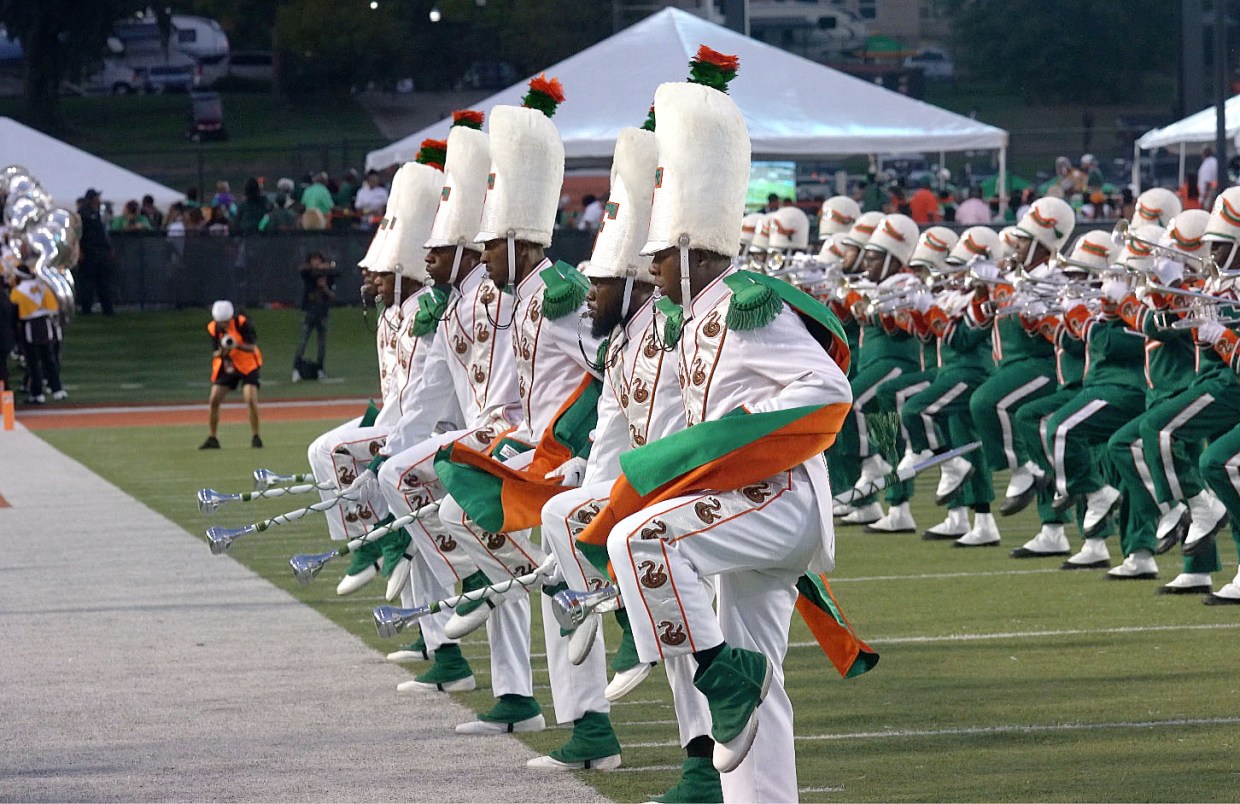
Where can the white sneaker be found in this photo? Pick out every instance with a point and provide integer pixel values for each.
(1050, 541)
(955, 526)
(59, 395)
(911, 459)
(952, 475)
(1209, 517)
(1094, 555)
(1139, 566)
(1098, 506)
(1188, 583)
(581, 641)
(898, 520)
(839, 509)
(1023, 478)
(480, 727)
(549, 763)
(1229, 595)
(873, 469)
(864, 515)
(985, 533)
(296, 375)
(626, 681)
(1172, 527)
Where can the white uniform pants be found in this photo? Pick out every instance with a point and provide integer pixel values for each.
(340, 455)
(758, 540)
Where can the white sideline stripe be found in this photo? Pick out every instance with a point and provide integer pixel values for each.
(302, 403)
(820, 789)
(645, 768)
(1135, 629)
(663, 704)
(1013, 728)
(936, 576)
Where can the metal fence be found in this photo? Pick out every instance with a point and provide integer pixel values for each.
(155, 271)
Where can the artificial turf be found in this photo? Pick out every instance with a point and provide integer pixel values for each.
(1000, 680)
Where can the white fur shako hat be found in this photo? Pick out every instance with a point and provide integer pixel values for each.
(375, 250)
(527, 171)
(412, 216)
(789, 230)
(626, 216)
(464, 187)
(704, 154)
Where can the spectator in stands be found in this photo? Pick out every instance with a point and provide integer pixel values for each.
(191, 197)
(1095, 208)
(772, 203)
(220, 225)
(152, 212)
(372, 197)
(924, 204)
(1127, 204)
(1207, 177)
(348, 189)
(223, 198)
(1190, 195)
(289, 188)
(1093, 174)
(97, 264)
(973, 211)
(195, 220)
(131, 220)
(317, 196)
(253, 208)
(947, 205)
(282, 217)
(592, 213)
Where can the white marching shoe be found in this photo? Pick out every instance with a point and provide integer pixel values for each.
(400, 577)
(897, 520)
(873, 469)
(839, 509)
(461, 623)
(985, 533)
(1023, 488)
(864, 515)
(955, 526)
(1093, 555)
(1229, 595)
(1172, 527)
(1209, 517)
(1050, 541)
(1139, 566)
(1188, 583)
(625, 681)
(952, 475)
(581, 641)
(911, 458)
(1098, 506)
(351, 583)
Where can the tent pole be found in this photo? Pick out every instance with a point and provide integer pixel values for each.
(942, 165)
(1002, 185)
(1183, 157)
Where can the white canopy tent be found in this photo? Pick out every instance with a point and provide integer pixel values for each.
(1196, 128)
(795, 108)
(67, 172)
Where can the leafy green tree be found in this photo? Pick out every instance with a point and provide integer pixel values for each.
(60, 39)
(1066, 50)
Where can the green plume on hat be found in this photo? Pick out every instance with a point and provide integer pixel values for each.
(649, 124)
(713, 69)
(433, 153)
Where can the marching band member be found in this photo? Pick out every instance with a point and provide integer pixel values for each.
(1220, 463)
(1170, 367)
(1203, 411)
(745, 357)
(1093, 251)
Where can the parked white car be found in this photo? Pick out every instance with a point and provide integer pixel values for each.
(933, 63)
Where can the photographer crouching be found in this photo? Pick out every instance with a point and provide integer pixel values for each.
(235, 360)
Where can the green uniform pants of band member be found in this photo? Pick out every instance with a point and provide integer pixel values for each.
(893, 396)
(995, 403)
(939, 416)
(1085, 422)
(1174, 430)
(1030, 424)
(843, 461)
(868, 401)
(1220, 467)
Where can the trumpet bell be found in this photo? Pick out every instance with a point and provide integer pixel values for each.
(390, 621)
(572, 607)
(1119, 235)
(220, 539)
(266, 478)
(306, 566)
(210, 500)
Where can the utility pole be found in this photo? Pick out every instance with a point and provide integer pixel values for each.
(1220, 92)
(736, 15)
(1192, 58)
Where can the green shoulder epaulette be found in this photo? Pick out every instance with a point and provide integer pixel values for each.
(431, 307)
(754, 304)
(565, 290)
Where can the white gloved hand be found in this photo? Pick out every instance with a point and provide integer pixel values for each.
(1209, 332)
(359, 484)
(1115, 289)
(986, 271)
(922, 301)
(1071, 303)
(1034, 309)
(572, 472)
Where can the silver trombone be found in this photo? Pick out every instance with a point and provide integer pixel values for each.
(1122, 235)
(306, 566)
(266, 478)
(211, 501)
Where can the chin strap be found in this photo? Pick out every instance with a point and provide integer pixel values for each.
(686, 297)
(512, 260)
(628, 295)
(456, 261)
(396, 294)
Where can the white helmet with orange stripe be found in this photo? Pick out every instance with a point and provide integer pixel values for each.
(1158, 206)
(789, 230)
(1095, 250)
(933, 248)
(1048, 223)
(1224, 227)
(1138, 252)
(976, 243)
(1185, 235)
(896, 238)
(838, 215)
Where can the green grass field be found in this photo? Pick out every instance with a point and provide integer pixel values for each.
(166, 356)
(1000, 680)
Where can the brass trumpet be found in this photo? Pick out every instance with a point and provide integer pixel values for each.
(1122, 235)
